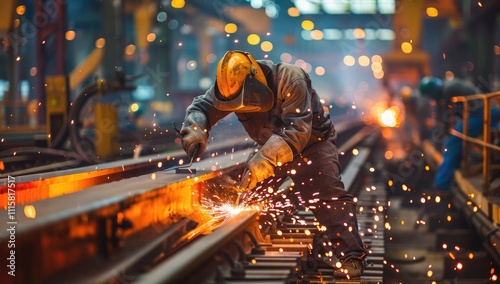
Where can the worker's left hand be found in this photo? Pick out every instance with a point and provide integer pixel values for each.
(194, 135)
(275, 152)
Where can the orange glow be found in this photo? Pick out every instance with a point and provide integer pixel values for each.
(364, 60)
(100, 42)
(293, 12)
(316, 34)
(388, 155)
(20, 10)
(432, 12)
(387, 133)
(379, 75)
(266, 46)
(320, 71)
(377, 67)
(387, 117)
(349, 60)
(70, 35)
(55, 186)
(178, 4)
(377, 58)
(230, 28)
(130, 49)
(151, 37)
(359, 33)
(406, 47)
(29, 211)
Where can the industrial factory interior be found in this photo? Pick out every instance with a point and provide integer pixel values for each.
(100, 182)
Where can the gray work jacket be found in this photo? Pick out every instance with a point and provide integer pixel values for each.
(297, 115)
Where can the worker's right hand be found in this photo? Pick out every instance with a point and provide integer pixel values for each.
(274, 153)
(259, 168)
(194, 134)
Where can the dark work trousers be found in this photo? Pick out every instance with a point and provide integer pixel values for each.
(316, 175)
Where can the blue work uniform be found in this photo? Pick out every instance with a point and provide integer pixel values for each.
(452, 148)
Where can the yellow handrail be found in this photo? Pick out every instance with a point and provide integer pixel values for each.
(486, 144)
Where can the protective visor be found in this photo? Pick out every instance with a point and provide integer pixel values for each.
(254, 97)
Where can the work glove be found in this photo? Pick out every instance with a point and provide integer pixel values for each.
(194, 134)
(274, 153)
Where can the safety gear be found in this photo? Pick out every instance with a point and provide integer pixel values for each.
(275, 152)
(194, 134)
(241, 84)
(254, 97)
(431, 87)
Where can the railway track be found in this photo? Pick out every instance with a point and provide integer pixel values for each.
(133, 222)
(153, 228)
(164, 227)
(242, 251)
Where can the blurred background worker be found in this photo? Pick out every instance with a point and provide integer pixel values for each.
(281, 111)
(438, 89)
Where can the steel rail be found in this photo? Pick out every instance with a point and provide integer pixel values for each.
(489, 231)
(181, 266)
(137, 256)
(33, 187)
(97, 215)
(96, 221)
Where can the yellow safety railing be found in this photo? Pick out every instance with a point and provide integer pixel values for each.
(485, 143)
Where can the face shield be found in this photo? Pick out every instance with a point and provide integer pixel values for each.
(254, 97)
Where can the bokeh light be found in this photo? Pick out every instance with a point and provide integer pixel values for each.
(307, 25)
(349, 60)
(253, 39)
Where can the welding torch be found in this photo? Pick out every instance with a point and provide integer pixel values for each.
(184, 169)
(241, 190)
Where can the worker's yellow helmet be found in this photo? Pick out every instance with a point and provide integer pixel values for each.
(241, 84)
(232, 70)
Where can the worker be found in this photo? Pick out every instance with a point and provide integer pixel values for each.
(437, 89)
(281, 111)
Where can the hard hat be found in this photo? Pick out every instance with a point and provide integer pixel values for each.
(232, 70)
(241, 84)
(431, 87)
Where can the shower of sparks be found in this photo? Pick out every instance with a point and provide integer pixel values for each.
(220, 198)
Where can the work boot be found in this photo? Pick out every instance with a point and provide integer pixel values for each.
(349, 269)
